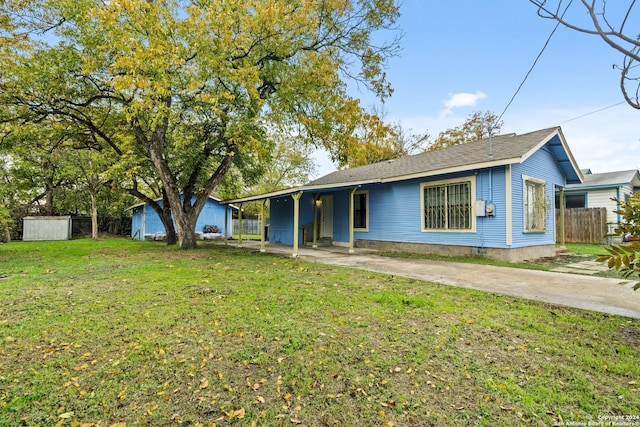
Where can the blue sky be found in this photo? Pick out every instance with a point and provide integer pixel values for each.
(467, 55)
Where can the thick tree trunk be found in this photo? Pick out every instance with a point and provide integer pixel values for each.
(184, 213)
(164, 213)
(167, 221)
(186, 224)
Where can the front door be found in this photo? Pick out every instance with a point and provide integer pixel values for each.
(326, 216)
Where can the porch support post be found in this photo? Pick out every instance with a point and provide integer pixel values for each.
(262, 226)
(226, 223)
(351, 219)
(296, 222)
(562, 203)
(316, 198)
(240, 225)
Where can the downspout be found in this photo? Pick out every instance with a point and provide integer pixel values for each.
(482, 218)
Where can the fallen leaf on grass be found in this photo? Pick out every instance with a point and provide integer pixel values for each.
(239, 413)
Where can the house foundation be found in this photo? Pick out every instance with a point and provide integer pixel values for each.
(500, 254)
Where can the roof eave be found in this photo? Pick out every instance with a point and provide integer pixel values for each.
(300, 189)
(454, 169)
(160, 198)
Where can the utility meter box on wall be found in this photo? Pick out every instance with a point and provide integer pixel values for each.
(490, 209)
(484, 209)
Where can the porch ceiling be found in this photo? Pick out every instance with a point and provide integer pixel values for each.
(302, 189)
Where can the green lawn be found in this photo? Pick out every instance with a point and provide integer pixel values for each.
(122, 333)
(586, 249)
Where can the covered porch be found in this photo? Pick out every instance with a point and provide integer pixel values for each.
(311, 224)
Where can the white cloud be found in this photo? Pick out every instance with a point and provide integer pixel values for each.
(462, 99)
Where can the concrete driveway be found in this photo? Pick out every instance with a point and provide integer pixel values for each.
(613, 296)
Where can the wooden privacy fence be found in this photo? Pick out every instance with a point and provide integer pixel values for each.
(583, 225)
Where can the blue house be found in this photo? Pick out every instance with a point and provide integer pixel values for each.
(146, 224)
(493, 197)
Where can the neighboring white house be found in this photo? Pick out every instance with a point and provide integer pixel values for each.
(599, 189)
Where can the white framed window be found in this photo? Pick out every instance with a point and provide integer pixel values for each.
(361, 211)
(448, 205)
(535, 205)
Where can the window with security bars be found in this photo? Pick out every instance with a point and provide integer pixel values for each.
(535, 206)
(448, 206)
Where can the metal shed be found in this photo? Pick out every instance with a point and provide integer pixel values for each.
(47, 228)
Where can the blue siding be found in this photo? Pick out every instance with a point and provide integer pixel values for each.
(281, 221)
(395, 213)
(491, 187)
(213, 214)
(145, 220)
(136, 222)
(541, 165)
(281, 218)
(395, 209)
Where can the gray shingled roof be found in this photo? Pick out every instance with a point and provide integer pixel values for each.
(505, 148)
(613, 179)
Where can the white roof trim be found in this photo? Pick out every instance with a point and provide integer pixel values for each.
(160, 198)
(461, 168)
(301, 189)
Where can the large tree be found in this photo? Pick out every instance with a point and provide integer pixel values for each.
(477, 126)
(380, 139)
(615, 23)
(189, 87)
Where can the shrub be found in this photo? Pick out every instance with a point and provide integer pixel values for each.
(626, 258)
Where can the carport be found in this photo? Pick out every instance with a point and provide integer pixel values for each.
(295, 194)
